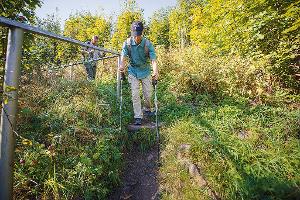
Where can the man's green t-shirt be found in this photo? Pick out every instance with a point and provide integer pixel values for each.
(139, 64)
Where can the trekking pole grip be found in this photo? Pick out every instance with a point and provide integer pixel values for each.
(154, 82)
(122, 76)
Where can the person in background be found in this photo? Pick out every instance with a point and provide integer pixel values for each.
(90, 56)
(141, 55)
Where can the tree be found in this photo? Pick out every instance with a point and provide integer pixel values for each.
(129, 14)
(82, 26)
(159, 28)
(42, 52)
(17, 10)
(180, 22)
(251, 28)
(12, 10)
(217, 25)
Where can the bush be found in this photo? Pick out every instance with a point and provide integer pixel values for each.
(193, 71)
(68, 153)
(243, 127)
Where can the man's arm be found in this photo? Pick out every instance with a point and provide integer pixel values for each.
(155, 69)
(101, 54)
(152, 56)
(84, 51)
(124, 53)
(122, 64)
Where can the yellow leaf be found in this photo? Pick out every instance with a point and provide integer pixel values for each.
(26, 142)
(8, 88)
(5, 100)
(259, 90)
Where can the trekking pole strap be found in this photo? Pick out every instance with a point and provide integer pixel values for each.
(154, 83)
(122, 76)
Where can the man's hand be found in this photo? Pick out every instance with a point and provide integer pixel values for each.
(155, 75)
(84, 52)
(121, 68)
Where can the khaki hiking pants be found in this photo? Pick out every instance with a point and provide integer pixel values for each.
(136, 98)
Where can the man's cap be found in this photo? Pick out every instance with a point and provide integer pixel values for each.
(136, 28)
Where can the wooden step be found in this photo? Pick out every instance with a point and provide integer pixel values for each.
(145, 125)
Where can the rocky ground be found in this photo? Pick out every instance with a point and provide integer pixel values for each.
(140, 176)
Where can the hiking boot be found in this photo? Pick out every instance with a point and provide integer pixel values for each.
(148, 113)
(137, 121)
(89, 79)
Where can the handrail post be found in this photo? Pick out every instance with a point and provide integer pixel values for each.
(118, 79)
(71, 72)
(9, 111)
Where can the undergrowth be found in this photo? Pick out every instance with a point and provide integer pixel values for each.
(71, 147)
(70, 144)
(243, 128)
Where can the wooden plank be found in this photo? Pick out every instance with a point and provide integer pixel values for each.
(145, 125)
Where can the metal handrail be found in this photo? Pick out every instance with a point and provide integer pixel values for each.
(39, 31)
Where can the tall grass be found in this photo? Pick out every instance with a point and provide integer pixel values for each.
(242, 127)
(72, 147)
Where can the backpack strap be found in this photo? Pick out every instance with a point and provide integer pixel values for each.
(128, 45)
(146, 47)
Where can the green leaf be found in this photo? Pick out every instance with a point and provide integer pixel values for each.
(260, 36)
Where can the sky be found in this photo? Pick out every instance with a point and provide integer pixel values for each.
(109, 7)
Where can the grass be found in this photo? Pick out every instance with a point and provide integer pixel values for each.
(243, 129)
(245, 154)
(73, 146)
(245, 150)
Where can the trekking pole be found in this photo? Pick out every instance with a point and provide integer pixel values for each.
(122, 78)
(154, 83)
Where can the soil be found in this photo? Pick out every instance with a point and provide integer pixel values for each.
(140, 176)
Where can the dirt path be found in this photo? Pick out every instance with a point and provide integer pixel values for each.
(140, 177)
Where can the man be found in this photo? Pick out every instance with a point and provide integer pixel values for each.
(89, 57)
(140, 52)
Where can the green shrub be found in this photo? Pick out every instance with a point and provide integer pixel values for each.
(244, 153)
(242, 126)
(193, 71)
(68, 153)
